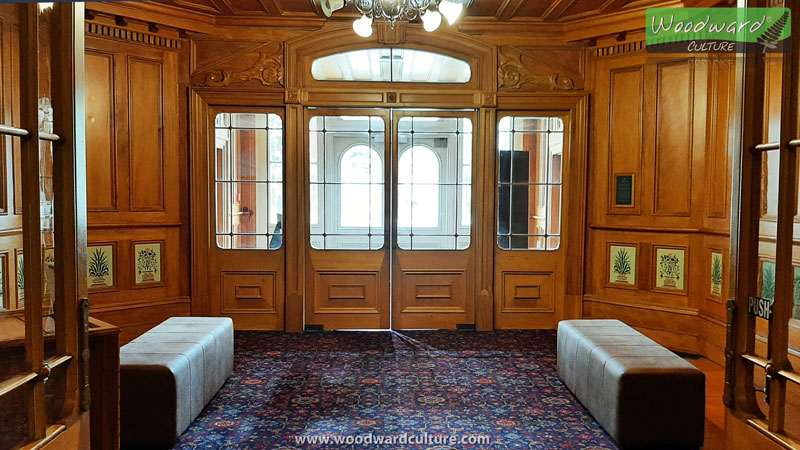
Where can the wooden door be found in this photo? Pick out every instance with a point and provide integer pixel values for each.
(531, 168)
(246, 256)
(347, 255)
(44, 391)
(432, 209)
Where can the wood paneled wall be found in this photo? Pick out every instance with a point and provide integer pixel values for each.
(137, 170)
(664, 121)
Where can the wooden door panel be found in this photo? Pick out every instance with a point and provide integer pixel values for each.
(347, 292)
(528, 292)
(433, 292)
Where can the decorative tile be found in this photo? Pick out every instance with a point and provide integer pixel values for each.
(716, 274)
(622, 264)
(101, 266)
(670, 269)
(20, 278)
(147, 263)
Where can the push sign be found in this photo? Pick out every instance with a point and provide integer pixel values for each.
(760, 307)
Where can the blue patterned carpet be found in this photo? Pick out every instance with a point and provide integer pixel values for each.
(388, 385)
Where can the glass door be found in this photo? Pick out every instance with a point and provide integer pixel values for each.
(389, 186)
(763, 362)
(347, 260)
(432, 255)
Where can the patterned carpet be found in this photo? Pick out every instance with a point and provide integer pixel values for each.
(458, 387)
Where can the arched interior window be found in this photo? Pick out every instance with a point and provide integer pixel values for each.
(361, 172)
(418, 188)
(391, 65)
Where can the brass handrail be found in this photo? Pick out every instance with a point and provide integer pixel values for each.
(757, 360)
(16, 381)
(21, 132)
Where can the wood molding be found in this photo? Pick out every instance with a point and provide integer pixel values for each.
(127, 35)
(622, 48)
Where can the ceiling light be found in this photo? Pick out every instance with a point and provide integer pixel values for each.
(329, 6)
(363, 26)
(430, 11)
(431, 20)
(451, 9)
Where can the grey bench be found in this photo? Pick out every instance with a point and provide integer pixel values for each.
(642, 394)
(169, 374)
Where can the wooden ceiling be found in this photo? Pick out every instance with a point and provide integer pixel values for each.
(306, 13)
(479, 10)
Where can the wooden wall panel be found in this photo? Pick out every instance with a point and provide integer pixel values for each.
(625, 132)
(146, 137)
(673, 149)
(100, 115)
(135, 155)
(667, 120)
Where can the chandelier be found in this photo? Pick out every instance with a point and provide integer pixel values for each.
(429, 11)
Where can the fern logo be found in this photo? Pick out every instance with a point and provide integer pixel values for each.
(717, 30)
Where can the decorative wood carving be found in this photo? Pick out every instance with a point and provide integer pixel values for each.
(255, 65)
(529, 68)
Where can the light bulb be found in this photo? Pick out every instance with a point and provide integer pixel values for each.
(363, 26)
(431, 20)
(451, 9)
(45, 6)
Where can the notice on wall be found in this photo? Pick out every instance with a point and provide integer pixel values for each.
(624, 190)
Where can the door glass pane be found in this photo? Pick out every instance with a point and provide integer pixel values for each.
(792, 419)
(765, 267)
(347, 189)
(248, 187)
(529, 174)
(434, 180)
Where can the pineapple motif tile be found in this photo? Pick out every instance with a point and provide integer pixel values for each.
(101, 266)
(716, 274)
(622, 265)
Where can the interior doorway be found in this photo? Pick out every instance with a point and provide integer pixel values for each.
(390, 216)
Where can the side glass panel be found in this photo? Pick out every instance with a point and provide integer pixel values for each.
(346, 175)
(248, 167)
(529, 182)
(434, 183)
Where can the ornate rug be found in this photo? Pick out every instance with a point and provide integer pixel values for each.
(432, 390)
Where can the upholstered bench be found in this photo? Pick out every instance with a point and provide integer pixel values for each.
(169, 374)
(641, 393)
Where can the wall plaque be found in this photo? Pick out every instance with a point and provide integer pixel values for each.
(624, 190)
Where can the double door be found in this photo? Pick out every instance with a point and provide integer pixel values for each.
(389, 237)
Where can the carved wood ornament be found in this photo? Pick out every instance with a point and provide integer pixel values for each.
(514, 74)
(258, 66)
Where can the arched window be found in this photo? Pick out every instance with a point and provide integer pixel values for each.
(361, 194)
(397, 65)
(418, 188)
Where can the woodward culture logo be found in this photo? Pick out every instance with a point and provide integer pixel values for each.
(717, 30)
